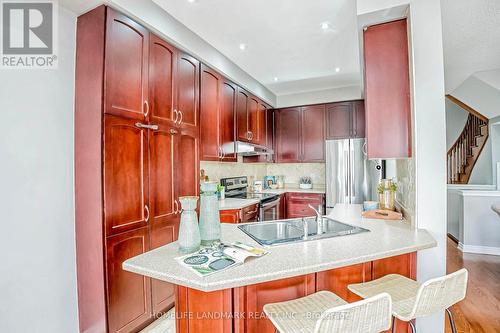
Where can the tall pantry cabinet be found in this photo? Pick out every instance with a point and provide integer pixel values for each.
(136, 153)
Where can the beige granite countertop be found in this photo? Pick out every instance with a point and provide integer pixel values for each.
(235, 203)
(385, 239)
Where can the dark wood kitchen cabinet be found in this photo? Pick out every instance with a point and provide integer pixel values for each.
(131, 164)
(337, 280)
(297, 204)
(345, 120)
(250, 118)
(300, 134)
(126, 67)
(387, 90)
(217, 115)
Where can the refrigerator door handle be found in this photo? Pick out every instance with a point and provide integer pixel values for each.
(352, 171)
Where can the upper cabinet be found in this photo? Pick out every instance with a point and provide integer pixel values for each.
(188, 76)
(217, 114)
(345, 120)
(126, 67)
(387, 90)
(300, 134)
(251, 118)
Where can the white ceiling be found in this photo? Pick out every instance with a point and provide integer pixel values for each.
(471, 38)
(283, 39)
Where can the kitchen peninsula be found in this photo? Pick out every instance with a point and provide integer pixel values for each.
(232, 300)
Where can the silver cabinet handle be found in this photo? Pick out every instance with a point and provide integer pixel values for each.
(176, 116)
(223, 153)
(151, 127)
(251, 136)
(173, 131)
(147, 213)
(147, 108)
(220, 152)
(180, 120)
(176, 207)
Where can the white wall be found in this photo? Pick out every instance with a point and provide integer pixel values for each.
(38, 269)
(319, 96)
(430, 142)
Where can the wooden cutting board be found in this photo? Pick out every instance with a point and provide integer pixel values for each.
(382, 215)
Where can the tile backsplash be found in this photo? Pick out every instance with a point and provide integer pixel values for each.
(291, 171)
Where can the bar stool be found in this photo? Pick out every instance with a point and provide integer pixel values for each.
(326, 312)
(412, 299)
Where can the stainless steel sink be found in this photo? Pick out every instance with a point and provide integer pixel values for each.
(288, 231)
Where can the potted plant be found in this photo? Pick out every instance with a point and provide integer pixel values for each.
(387, 192)
(305, 183)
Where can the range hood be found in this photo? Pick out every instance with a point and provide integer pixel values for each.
(247, 149)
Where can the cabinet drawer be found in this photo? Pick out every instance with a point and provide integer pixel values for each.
(250, 213)
(308, 198)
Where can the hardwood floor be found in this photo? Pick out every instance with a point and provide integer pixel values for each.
(480, 311)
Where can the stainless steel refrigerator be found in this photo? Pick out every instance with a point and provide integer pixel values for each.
(350, 176)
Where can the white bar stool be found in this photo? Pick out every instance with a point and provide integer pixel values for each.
(324, 312)
(412, 299)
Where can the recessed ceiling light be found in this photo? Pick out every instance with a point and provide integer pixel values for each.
(191, 1)
(337, 69)
(275, 79)
(243, 46)
(325, 25)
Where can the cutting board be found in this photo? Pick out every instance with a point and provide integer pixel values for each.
(382, 215)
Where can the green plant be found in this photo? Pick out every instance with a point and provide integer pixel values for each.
(393, 187)
(219, 188)
(380, 188)
(305, 180)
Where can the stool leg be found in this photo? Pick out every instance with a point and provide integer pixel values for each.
(413, 329)
(452, 321)
(393, 324)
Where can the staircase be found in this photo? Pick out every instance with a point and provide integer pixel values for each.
(464, 153)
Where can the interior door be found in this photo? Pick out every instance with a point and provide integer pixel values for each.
(129, 294)
(210, 124)
(126, 67)
(188, 71)
(242, 115)
(162, 66)
(313, 133)
(227, 121)
(125, 175)
(164, 225)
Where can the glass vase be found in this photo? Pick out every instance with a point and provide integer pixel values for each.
(189, 232)
(209, 214)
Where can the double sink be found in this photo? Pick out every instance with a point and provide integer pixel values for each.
(294, 230)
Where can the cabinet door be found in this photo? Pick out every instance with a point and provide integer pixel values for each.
(242, 102)
(358, 119)
(210, 123)
(188, 71)
(313, 133)
(253, 120)
(162, 66)
(129, 294)
(250, 300)
(125, 175)
(187, 173)
(338, 120)
(297, 204)
(260, 137)
(288, 147)
(387, 90)
(126, 66)
(227, 120)
(164, 219)
(337, 280)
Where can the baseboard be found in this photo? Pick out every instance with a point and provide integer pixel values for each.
(453, 238)
(479, 249)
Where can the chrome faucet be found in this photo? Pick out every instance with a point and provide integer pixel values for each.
(305, 227)
(319, 219)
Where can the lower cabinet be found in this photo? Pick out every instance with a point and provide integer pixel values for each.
(246, 214)
(337, 280)
(129, 294)
(250, 300)
(297, 204)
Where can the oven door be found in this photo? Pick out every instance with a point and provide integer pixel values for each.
(270, 211)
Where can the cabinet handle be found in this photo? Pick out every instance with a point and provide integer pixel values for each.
(147, 213)
(147, 108)
(176, 207)
(223, 153)
(180, 120)
(176, 116)
(251, 212)
(151, 127)
(173, 131)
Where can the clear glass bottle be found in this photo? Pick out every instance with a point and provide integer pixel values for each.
(189, 231)
(209, 214)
